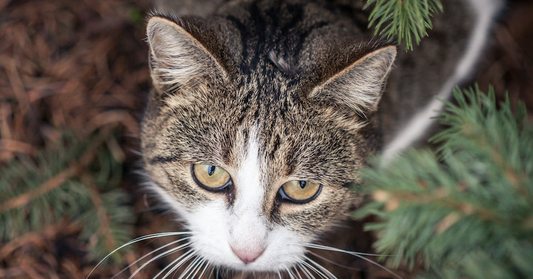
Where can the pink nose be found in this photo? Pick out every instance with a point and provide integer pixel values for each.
(247, 256)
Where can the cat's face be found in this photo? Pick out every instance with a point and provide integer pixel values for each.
(255, 164)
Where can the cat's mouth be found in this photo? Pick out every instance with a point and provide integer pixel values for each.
(254, 261)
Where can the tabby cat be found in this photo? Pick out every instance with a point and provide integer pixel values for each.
(264, 111)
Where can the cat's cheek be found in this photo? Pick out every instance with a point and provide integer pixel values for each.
(210, 231)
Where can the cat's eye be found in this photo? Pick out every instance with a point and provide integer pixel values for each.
(210, 177)
(300, 191)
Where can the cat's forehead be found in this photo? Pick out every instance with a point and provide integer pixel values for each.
(294, 138)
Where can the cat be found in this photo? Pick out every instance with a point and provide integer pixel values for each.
(263, 112)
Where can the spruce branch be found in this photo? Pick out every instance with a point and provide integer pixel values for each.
(406, 20)
(74, 181)
(467, 210)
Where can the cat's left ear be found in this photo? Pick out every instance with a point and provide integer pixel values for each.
(359, 85)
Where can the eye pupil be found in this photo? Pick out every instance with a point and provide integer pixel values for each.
(302, 183)
(211, 170)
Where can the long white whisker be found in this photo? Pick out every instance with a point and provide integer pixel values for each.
(315, 270)
(332, 262)
(213, 268)
(203, 271)
(356, 254)
(290, 273)
(279, 275)
(380, 265)
(325, 270)
(178, 265)
(327, 248)
(193, 262)
(179, 259)
(306, 271)
(168, 252)
(141, 258)
(191, 268)
(141, 238)
(198, 268)
(297, 272)
(198, 264)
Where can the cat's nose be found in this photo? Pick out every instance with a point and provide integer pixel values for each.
(248, 256)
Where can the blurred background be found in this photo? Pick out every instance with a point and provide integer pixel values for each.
(73, 79)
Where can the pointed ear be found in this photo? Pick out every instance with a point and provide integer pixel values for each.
(359, 85)
(177, 58)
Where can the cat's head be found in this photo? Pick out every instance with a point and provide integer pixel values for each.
(254, 151)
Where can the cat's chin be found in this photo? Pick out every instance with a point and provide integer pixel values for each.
(273, 260)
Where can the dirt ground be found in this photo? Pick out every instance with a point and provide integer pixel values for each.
(82, 65)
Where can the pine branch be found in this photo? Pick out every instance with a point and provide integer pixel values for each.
(467, 211)
(73, 180)
(406, 20)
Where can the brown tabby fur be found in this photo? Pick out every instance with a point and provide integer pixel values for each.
(281, 71)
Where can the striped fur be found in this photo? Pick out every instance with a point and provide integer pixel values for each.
(274, 91)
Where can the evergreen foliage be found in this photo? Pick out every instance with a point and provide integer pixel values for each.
(467, 210)
(405, 20)
(72, 181)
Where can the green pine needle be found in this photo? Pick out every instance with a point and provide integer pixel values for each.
(406, 20)
(74, 181)
(467, 211)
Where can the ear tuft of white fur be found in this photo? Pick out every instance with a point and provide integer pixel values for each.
(359, 86)
(176, 56)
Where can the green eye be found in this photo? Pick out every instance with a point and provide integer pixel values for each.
(210, 177)
(300, 191)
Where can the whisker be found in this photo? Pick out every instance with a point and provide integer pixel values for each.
(191, 268)
(195, 264)
(289, 273)
(170, 251)
(330, 275)
(141, 238)
(327, 248)
(136, 152)
(306, 271)
(141, 258)
(203, 271)
(213, 268)
(332, 262)
(180, 259)
(197, 269)
(297, 272)
(356, 254)
(176, 266)
(380, 265)
(315, 270)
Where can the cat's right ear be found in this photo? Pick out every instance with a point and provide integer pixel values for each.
(360, 84)
(177, 58)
